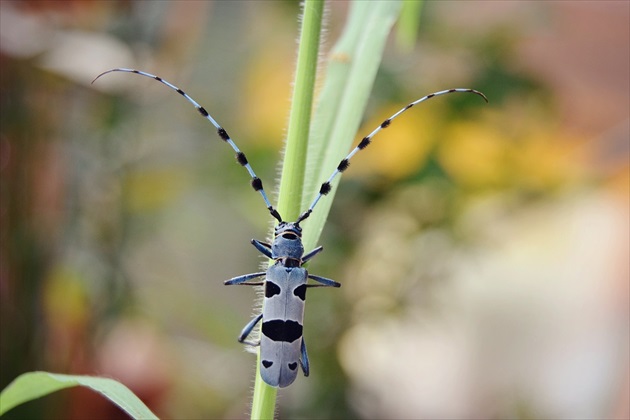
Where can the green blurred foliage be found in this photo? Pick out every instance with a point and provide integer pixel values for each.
(122, 212)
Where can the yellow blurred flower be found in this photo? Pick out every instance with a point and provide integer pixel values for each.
(400, 149)
(544, 160)
(473, 154)
(151, 189)
(65, 300)
(497, 151)
(267, 97)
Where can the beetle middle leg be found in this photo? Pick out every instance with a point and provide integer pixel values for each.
(323, 282)
(242, 279)
(247, 331)
(304, 359)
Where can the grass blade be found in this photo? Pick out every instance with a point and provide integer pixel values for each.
(350, 75)
(33, 385)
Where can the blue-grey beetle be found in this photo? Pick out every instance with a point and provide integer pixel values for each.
(282, 346)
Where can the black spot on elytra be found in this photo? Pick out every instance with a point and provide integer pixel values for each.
(271, 289)
(267, 363)
(300, 292)
(279, 330)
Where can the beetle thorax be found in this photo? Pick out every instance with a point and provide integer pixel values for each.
(287, 243)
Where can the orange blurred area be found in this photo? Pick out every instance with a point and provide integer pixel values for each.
(483, 248)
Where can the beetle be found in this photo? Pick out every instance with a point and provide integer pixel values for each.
(282, 346)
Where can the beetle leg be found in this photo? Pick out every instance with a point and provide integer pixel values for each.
(312, 254)
(304, 359)
(247, 330)
(242, 279)
(263, 247)
(324, 282)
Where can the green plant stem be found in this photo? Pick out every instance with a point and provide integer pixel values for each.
(290, 194)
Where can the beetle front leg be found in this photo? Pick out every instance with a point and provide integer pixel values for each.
(263, 247)
(312, 254)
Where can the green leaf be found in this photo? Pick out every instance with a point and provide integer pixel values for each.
(33, 385)
(408, 24)
(352, 68)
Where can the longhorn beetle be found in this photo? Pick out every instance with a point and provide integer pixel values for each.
(281, 342)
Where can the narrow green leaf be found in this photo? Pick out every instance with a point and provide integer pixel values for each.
(33, 385)
(352, 68)
(408, 24)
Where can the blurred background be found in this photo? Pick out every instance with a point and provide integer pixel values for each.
(483, 249)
